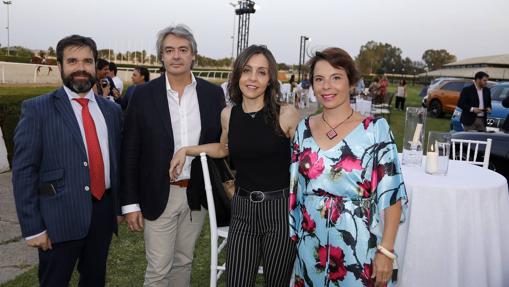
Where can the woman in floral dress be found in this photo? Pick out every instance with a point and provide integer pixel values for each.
(347, 193)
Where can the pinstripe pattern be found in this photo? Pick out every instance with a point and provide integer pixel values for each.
(49, 149)
(259, 234)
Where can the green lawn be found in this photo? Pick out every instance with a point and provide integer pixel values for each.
(127, 262)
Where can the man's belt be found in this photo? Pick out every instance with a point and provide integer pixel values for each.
(184, 183)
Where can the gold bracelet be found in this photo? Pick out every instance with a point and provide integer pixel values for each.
(386, 252)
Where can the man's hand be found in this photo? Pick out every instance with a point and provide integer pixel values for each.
(42, 241)
(120, 219)
(177, 163)
(134, 220)
(477, 110)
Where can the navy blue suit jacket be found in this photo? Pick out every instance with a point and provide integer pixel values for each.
(468, 99)
(48, 148)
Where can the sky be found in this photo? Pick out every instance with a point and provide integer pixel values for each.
(466, 28)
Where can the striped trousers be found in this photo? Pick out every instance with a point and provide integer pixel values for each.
(259, 232)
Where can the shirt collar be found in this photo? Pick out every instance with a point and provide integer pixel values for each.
(72, 95)
(168, 86)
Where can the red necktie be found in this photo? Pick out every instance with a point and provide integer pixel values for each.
(95, 158)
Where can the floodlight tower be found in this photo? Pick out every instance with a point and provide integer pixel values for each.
(244, 10)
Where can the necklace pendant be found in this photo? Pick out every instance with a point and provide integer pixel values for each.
(332, 134)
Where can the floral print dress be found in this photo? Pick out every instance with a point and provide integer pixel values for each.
(337, 198)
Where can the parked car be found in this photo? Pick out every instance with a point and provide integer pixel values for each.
(499, 156)
(432, 86)
(435, 83)
(498, 113)
(445, 97)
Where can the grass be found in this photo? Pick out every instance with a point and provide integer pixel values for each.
(126, 264)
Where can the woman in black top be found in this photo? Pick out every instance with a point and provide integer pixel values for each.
(256, 134)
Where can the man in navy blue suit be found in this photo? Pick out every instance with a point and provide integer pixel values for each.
(66, 153)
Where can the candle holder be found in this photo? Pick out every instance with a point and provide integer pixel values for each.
(415, 125)
(437, 153)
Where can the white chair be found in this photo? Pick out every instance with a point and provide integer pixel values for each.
(462, 153)
(215, 232)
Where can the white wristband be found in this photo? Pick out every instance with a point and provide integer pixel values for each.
(386, 252)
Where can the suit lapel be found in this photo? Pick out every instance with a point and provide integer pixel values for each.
(161, 103)
(63, 106)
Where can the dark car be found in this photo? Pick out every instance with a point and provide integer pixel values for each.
(499, 157)
(498, 113)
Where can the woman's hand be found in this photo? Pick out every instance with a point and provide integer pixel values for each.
(382, 269)
(177, 163)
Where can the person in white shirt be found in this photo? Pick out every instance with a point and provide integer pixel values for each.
(165, 114)
(116, 79)
(65, 171)
(475, 103)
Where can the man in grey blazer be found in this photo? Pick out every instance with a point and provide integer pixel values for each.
(66, 153)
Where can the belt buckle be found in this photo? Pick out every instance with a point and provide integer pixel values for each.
(256, 196)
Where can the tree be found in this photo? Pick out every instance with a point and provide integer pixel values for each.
(436, 59)
(283, 66)
(379, 58)
(51, 51)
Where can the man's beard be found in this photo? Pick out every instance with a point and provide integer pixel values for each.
(78, 86)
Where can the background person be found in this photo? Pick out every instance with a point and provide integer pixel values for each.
(140, 76)
(256, 134)
(345, 177)
(475, 102)
(116, 79)
(401, 94)
(65, 177)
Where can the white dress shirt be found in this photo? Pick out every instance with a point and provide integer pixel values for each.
(185, 124)
(101, 128)
(118, 84)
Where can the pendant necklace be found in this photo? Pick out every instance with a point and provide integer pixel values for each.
(332, 133)
(251, 114)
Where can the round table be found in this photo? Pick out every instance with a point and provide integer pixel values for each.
(456, 232)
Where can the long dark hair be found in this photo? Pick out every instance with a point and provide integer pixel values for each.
(271, 104)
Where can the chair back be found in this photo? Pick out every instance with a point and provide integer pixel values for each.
(470, 151)
(212, 218)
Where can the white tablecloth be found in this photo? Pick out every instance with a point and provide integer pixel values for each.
(457, 229)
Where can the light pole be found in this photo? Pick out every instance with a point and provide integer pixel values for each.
(302, 54)
(245, 8)
(233, 31)
(7, 3)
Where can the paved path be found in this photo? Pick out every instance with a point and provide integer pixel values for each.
(15, 256)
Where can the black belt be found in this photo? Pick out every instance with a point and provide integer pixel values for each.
(261, 196)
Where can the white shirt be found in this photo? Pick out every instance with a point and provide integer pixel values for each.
(185, 124)
(118, 84)
(101, 128)
(481, 101)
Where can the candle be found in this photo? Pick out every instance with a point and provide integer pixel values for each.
(431, 161)
(417, 134)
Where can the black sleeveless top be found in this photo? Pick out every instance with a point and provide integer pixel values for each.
(260, 157)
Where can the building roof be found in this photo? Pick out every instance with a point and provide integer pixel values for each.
(494, 60)
(495, 73)
(496, 66)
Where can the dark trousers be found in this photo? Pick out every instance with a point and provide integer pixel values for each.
(57, 265)
(400, 103)
(259, 232)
